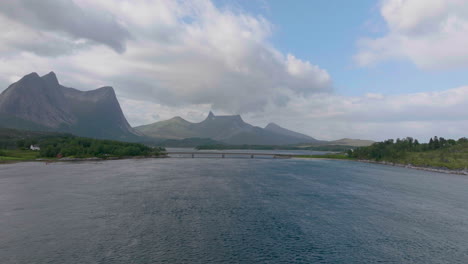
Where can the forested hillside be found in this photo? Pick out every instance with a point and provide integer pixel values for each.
(15, 144)
(439, 152)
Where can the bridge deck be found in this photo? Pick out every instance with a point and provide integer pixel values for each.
(223, 154)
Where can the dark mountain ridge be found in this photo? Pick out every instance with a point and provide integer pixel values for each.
(229, 129)
(41, 103)
(283, 131)
(38, 103)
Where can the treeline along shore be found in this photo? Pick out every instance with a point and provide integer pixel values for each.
(18, 145)
(439, 154)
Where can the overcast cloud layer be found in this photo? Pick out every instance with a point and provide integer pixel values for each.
(167, 58)
(177, 52)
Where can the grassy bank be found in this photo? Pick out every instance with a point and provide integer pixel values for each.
(7, 155)
(437, 154)
(437, 159)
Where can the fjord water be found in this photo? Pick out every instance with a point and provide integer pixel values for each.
(230, 211)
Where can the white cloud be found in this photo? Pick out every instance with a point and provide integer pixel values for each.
(179, 52)
(327, 116)
(374, 116)
(433, 34)
(187, 57)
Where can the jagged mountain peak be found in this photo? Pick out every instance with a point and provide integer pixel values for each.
(105, 90)
(28, 80)
(275, 128)
(230, 129)
(43, 101)
(35, 99)
(51, 74)
(271, 125)
(51, 78)
(32, 75)
(178, 118)
(212, 116)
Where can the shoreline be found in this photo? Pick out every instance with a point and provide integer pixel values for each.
(408, 166)
(426, 168)
(66, 159)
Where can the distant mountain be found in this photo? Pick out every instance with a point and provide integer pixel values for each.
(41, 103)
(187, 142)
(174, 128)
(344, 142)
(227, 129)
(283, 131)
(352, 142)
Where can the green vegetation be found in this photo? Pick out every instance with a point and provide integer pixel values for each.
(79, 147)
(14, 145)
(439, 152)
(17, 155)
(13, 138)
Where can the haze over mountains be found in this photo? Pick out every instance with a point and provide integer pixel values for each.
(43, 104)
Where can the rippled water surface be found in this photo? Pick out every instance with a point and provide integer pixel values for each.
(230, 211)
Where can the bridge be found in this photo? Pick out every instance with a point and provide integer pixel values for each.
(203, 154)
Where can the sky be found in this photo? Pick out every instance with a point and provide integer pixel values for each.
(331, 69)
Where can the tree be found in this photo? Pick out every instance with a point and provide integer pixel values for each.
(436, 143)
(21, 143)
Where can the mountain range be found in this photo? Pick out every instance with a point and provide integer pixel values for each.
(41, 103)
(229, 129)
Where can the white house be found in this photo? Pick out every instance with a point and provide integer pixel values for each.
(32, 147)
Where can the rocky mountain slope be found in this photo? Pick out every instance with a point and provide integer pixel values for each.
(283, 131)
(41, 103)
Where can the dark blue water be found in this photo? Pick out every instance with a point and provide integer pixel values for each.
(230, 211)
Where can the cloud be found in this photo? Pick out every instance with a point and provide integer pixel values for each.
(433, 34)
(330, 116)
(374, 116)
(179, 53)
(64, 17)
(167, 58)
